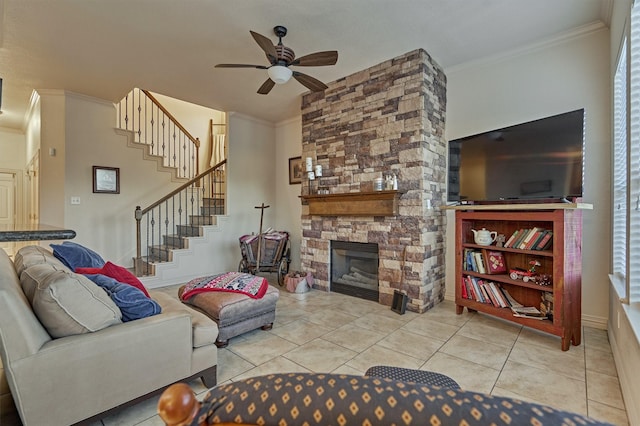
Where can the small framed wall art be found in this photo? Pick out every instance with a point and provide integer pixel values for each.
(106, 180)
(295, 170)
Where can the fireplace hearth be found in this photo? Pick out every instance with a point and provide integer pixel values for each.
(354, 269)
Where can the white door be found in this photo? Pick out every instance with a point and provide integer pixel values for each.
(7, 199)
(7, 206)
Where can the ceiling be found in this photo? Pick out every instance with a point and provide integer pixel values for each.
(103, 48)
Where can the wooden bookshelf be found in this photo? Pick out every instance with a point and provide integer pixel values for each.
(562, 262)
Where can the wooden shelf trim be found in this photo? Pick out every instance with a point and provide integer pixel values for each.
(375, 203)
(529, 206)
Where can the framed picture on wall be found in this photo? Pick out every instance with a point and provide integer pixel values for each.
(295, 170)
(106, 180)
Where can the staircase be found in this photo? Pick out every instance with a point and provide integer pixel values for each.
(169, 224)
(211, 207)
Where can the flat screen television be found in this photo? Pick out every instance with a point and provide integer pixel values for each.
(541, 159)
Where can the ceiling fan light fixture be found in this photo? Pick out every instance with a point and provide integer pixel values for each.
(279, 74)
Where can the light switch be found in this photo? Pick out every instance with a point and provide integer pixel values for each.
(75, 200)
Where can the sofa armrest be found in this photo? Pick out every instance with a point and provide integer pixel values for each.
(102, 369)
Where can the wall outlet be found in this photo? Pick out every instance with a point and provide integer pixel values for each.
(75, 200)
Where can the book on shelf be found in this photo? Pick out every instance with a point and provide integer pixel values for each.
(502, 301)
(463, 289)
(494, 262)
(485, 294)
(546, 242)
(471, 262)
(490, 294)
(525, 241)
(512, 302)
(471, 292)
(527, 312)
(476, 290)
(479, 262)
(533, 242)
(521, 236)
(513, 236)
(534, 239)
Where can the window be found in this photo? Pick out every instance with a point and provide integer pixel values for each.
(633, 208)
(620, 133)
(626, 178)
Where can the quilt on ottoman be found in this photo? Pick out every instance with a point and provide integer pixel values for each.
(235, 313)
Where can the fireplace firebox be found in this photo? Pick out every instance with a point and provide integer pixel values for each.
(354, 269)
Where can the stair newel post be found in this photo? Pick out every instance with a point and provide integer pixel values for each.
(261, 207)
(197, 148)
(138, 216)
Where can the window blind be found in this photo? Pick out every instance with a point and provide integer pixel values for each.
(620, 168)
(634, 161)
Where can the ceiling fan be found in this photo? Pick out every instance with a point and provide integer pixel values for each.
(281, 57)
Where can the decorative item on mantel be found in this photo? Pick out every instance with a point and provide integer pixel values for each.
(314, 173)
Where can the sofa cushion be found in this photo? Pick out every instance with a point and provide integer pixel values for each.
(133, 303)
(75, 255)
(205, 330)
(67, 303)
(318, 398)
(33, 255)
(119, 273)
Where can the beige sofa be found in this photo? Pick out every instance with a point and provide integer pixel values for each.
(78, 377)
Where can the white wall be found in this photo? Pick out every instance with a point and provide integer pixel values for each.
(252, 172)
(81, 129)
(13, 148)
(289, 144)
(52, 167)
(539, 82)
(104, 222)
(13, 161)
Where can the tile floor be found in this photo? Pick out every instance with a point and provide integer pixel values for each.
(330, 332)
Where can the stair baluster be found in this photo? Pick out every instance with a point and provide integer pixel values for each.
(198, 202)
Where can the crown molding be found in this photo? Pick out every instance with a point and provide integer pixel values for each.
(561, 38)
(248, 118)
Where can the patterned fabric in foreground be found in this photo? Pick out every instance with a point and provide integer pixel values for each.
(331, 399)
(235, 282)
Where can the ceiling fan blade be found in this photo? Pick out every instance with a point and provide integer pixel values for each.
(260, 67)
(266, 45)
(309, 82)
(318, 59)
(266, 87)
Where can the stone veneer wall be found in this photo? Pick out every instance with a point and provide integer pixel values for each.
(386, 119)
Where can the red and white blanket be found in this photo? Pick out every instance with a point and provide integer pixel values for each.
(235, 282)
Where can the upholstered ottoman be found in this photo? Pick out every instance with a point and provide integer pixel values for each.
(236, 313)
(430, 378)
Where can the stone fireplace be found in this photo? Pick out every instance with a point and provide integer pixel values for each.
(388, 119)
(354, 269)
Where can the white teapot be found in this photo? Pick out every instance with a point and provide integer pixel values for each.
(484, 237)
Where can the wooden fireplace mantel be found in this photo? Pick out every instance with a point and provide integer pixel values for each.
(375, 203)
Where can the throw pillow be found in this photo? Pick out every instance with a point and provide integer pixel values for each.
(132, 302)
(34, 255)
(119, 273)
(67, 303)
(75, 255)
